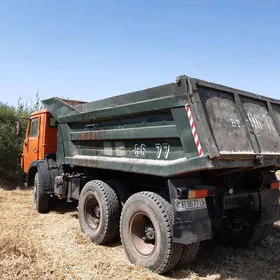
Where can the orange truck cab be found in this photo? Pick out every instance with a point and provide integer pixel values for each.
(40, 140)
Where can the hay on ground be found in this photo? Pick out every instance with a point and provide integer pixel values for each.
(51, 246)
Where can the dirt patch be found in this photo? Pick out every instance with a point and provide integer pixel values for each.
(51, 246)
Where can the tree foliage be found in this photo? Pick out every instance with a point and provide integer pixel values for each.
(11, 145)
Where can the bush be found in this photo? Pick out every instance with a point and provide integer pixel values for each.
(10, 144)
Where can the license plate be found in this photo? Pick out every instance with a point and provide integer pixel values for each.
(190, 204)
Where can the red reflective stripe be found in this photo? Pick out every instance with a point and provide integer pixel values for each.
(194, 133)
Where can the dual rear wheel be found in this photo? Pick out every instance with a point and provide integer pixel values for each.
(144, 222)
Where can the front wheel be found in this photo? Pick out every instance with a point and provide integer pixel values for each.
(41, 199)
(146, 232)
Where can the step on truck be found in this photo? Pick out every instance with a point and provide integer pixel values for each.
(164, 168)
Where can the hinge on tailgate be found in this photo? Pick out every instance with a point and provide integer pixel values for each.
(192, 97)
(185, 83)
(259, 159)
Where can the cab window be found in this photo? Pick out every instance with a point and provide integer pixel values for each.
(52, 122)
(33, 128)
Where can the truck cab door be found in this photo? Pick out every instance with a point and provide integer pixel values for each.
(31, 143)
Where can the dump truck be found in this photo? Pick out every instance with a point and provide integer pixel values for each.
(164, 168)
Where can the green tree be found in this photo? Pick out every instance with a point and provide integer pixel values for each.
(10, 144)
(9, 147)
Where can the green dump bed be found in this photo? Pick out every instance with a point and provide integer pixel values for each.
(173, 129)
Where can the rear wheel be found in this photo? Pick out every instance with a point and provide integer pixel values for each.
(146, 232)
(41, 199)
(99, 212)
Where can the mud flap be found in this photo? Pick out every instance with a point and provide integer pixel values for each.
(189, 226)
(270, 206)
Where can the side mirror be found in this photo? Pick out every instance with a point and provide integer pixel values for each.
(18, 128)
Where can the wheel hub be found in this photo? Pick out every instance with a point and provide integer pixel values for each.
(143, 234)
(92, 212)
(96, 212)
(149, 233)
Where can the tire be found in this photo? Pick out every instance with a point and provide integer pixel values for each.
(148, 215)
(188, 255)
(99, 212)
(41, 199)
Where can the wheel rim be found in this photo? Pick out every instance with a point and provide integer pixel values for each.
(92, 212)
(143, 234)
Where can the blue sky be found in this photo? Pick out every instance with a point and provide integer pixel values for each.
(95, 49)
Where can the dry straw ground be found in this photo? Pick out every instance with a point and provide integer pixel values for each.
(50, 246)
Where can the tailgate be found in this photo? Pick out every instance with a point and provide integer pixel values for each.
(241, 123)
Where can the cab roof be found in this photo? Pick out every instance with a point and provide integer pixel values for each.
(40, 112)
